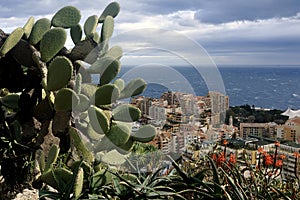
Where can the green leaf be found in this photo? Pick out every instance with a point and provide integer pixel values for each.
(11, 101)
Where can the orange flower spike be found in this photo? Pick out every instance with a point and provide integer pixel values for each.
(277, 144)
(268, 160)
(278, 163)
(225, 142)
(222, 158)
(282, 156)
(297, 154)
(232, 159)
(260, 150)
(214, 157)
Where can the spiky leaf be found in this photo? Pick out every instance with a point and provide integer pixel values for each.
(133, 88)
(65, 100)
(105, 94)
(78, 185)
(11, 41)
(145, 134)
(52, 42)
(107, 28)
(76, 33)
(11, 101)
(66, 17)
(59, 73)
(126, 113)
(90, 25)
(98, 120)
(52, 157)
(28, 27)
(40, 27)
(111, 9)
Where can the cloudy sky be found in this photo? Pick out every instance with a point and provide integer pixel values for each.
(169, 32)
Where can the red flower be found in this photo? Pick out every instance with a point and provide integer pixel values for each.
(278, 163)
(268, 160)
(277, 144)
(232, 159)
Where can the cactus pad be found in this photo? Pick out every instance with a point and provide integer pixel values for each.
(76, 33)
(119, 133)
(84, 103)
(88, 89)
(80, 146)
(110, 72)
(66, 17)
(52, 42)
(98, 120)
(65, 100)
(111, 9)
(11, 41)
(59, 73)
(115, 52)
(126, 113)
(120, 84)
(92, 134)
(28, 27)
(105, 94)
(40, 27)
(90, 25)
(145, 134)
(113, 157)
(78, 81)
(133, 88)
(107, 28)
(125, 148)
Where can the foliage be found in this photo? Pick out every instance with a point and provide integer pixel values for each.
(50, 92)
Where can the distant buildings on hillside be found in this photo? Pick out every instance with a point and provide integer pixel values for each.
(193, 125)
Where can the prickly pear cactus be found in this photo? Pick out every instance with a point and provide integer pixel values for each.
(86, 116)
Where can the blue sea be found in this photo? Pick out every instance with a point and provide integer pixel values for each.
(273, 87)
